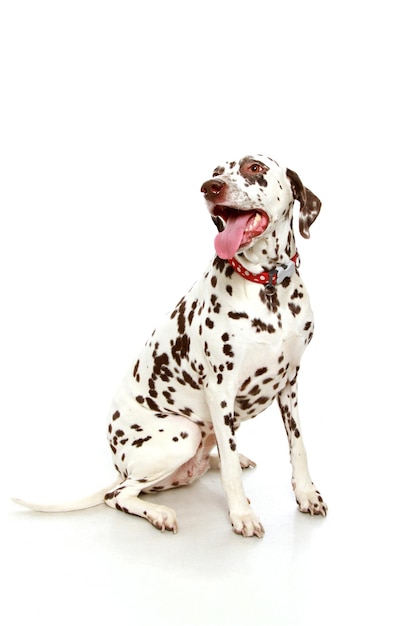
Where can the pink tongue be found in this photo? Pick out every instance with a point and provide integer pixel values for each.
(229, 240)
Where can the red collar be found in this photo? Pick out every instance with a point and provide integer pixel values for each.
(274, 277)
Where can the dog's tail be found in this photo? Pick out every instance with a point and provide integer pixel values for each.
(77, 505)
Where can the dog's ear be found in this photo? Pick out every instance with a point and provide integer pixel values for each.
(310, 205)
(218, 223)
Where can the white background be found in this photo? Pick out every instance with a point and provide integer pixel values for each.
(112, 115)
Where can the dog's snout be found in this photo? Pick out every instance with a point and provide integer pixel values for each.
(213, 189)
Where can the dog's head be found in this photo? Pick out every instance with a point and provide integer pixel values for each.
(249, 197)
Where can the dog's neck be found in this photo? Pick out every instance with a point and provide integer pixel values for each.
(278, 247)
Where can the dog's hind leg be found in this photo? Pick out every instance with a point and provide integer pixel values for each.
(125, 498)
(171, 456)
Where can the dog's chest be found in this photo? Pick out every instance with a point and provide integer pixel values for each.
(246, 327)
(268, 335)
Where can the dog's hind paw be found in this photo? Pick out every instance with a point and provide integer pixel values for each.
(161, 517)
(245, 462)
(247, 524)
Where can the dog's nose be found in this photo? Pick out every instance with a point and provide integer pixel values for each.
(213, 189)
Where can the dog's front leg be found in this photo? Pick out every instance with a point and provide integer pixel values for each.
(244, 521)
(308, 498)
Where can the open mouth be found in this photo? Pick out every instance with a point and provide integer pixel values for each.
(240, 228)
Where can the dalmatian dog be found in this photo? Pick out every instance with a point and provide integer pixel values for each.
(230, 347)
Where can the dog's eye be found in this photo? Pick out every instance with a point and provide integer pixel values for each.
(256, 168)
(218, 171)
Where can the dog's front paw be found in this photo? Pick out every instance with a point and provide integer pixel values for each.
(247, 524)
(310, 501)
